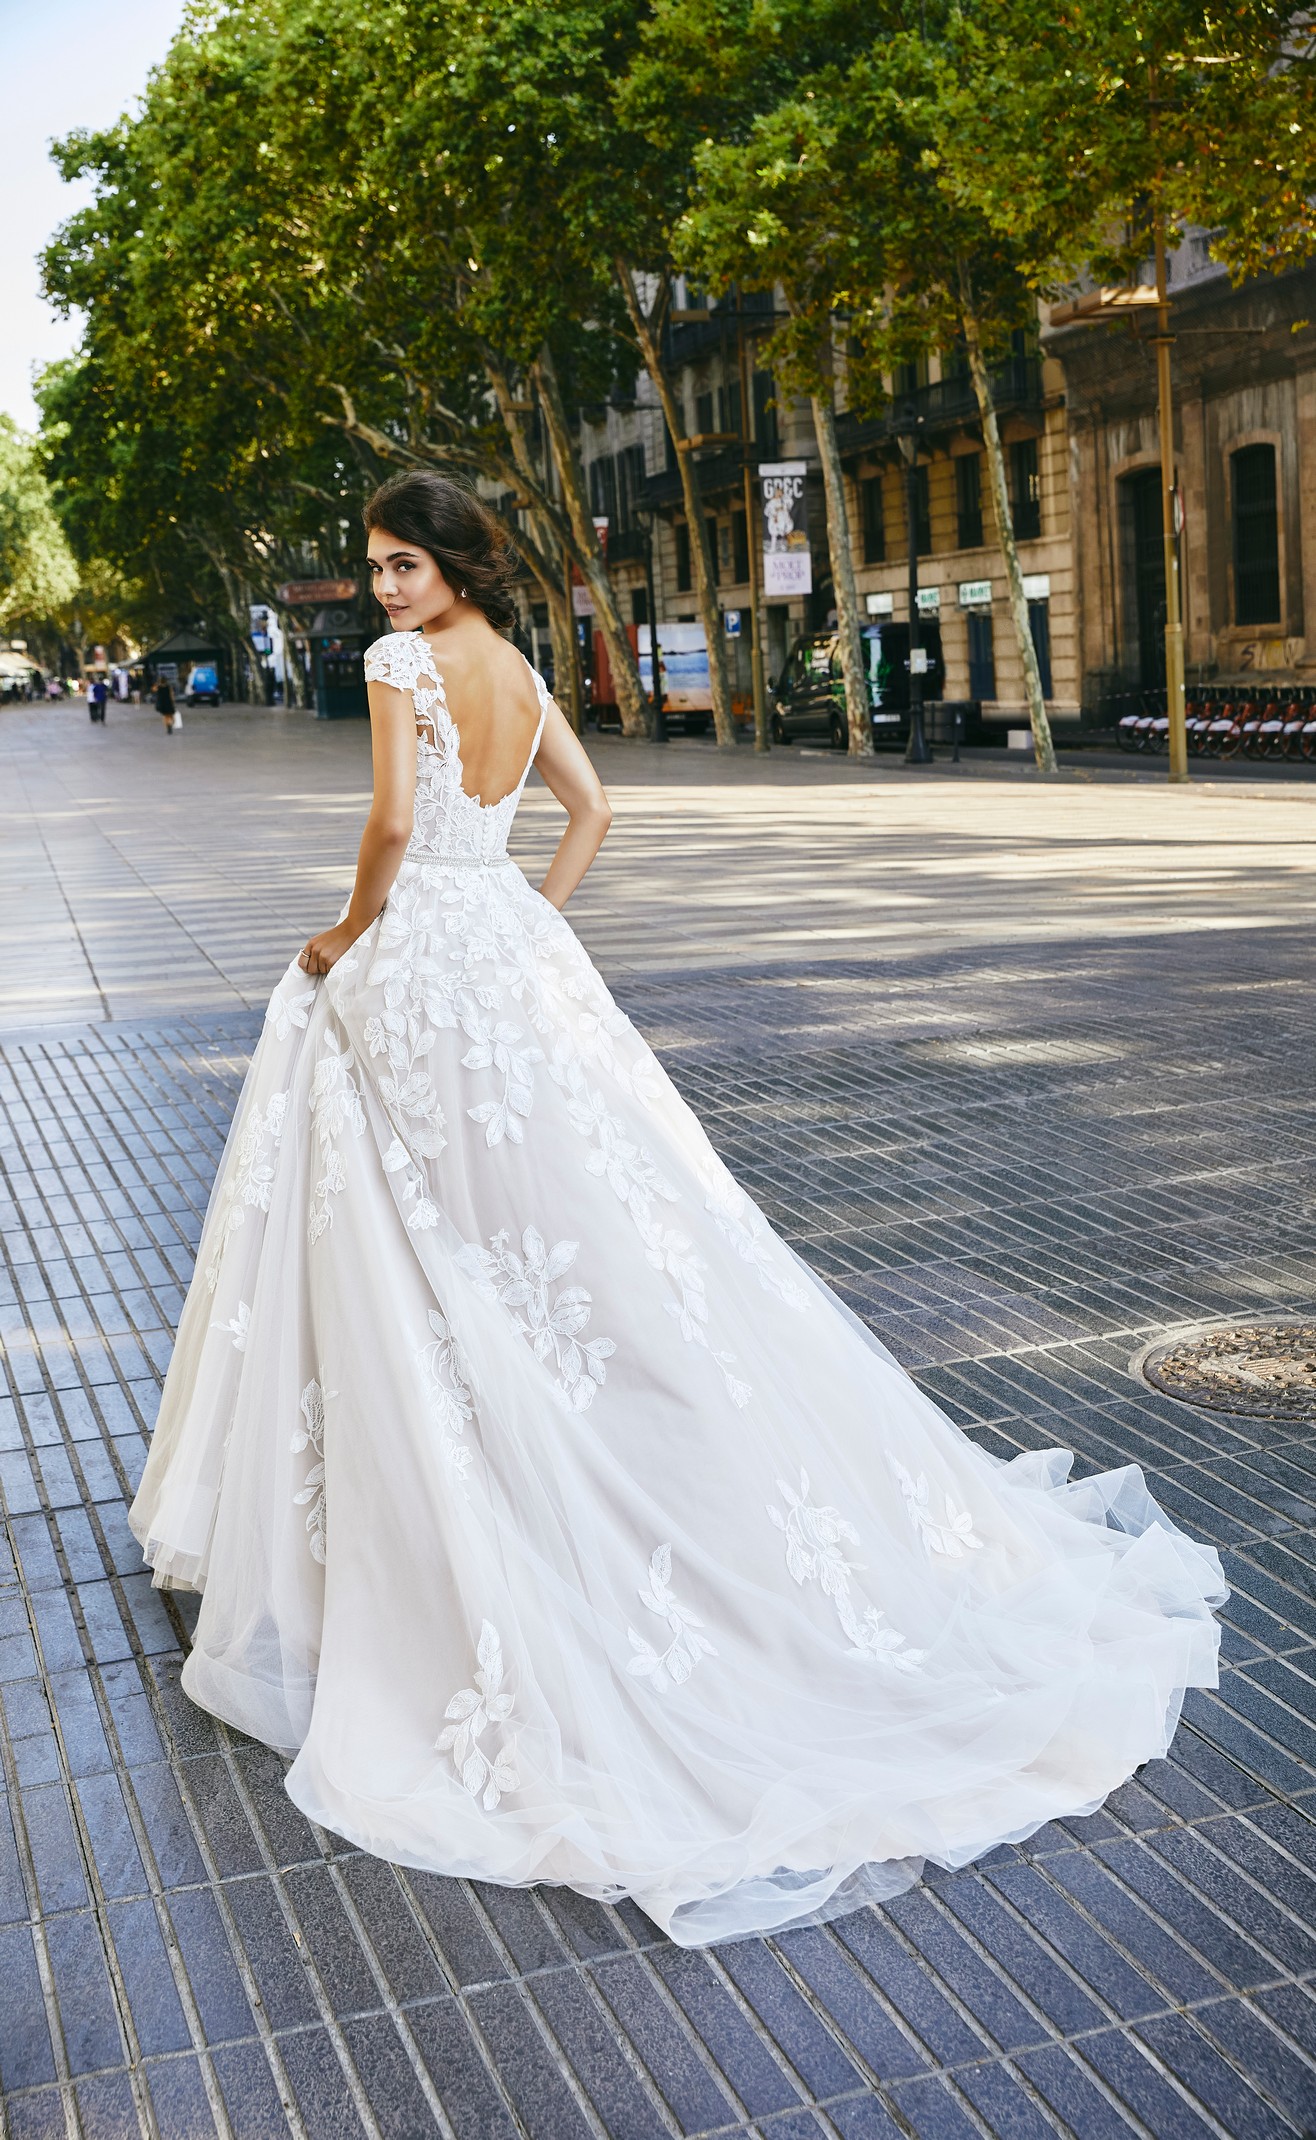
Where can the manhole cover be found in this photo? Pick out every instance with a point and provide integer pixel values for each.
(1264, 1370)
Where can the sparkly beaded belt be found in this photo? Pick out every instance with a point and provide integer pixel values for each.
(428, 860)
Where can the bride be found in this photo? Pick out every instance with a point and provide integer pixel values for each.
(549, 1512)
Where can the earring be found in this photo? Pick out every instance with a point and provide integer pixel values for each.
(463, 594)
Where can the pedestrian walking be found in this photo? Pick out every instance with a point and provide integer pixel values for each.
(96, 698)
(164, 704)
(522, 1475)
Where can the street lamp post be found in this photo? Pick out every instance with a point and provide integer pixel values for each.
(1093, 308)
(762, 740)
(916, 752)
(1174, 666)
(658, 728)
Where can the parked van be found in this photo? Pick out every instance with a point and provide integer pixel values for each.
(808, 698)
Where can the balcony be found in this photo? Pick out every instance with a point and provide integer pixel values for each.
(625, 545)
(685, 340)
(719, 471)
(947, 405)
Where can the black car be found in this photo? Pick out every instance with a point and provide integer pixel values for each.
(808, 698)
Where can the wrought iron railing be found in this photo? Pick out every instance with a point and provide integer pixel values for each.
(1015, 384)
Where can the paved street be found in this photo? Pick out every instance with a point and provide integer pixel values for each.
(1026, 1071)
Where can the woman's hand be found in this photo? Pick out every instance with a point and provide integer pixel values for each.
(325, 950)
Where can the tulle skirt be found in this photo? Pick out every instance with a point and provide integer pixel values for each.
(562, 1525)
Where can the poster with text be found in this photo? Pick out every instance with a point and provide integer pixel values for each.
(787, 563)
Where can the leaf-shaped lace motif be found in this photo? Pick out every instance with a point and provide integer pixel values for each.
(310, 1435)
(951, 1537)
(670, 1667)
(551, 1321)
(487, 1772)
(815, 1541)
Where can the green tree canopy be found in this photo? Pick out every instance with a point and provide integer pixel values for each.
(38, 575)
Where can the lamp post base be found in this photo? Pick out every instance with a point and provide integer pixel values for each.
(917, 751)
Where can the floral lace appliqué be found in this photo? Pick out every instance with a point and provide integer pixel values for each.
(635, 1177)
(310, 1435)
(501, 1046)
(815, 1541)
(250, 1178)
(551, 1321)
(449, 1393)
(289, 1008)
(424, 1212)
(487, 1773)
(671, 1667)
(749, 1236)
(953, 1537)
(238, 1327)
(335, 1107)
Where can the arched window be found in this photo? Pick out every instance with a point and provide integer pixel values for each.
(1256, 536)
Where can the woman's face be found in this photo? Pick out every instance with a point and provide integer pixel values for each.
(407, 582)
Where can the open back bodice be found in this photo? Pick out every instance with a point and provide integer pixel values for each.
(450, 825)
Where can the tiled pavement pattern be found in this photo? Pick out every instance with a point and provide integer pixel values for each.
(1020, 1166)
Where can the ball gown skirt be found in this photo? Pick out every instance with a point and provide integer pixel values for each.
(553, 1516)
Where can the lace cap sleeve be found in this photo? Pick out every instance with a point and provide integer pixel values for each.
(392, 660)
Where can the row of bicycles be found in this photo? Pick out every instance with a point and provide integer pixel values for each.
(1228, 721)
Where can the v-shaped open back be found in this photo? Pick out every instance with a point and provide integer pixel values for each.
(450, 825)
(436, 728)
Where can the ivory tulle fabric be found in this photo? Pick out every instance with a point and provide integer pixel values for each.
(559, 1521)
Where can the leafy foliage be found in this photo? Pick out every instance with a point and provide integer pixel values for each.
(38, 576)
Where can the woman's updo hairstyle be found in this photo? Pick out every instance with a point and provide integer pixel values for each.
(435, 514)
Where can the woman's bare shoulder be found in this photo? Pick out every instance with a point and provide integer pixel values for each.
(514, 679)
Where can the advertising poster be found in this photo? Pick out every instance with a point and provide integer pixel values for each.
(787, 564)
(582, 601)
(683, 654)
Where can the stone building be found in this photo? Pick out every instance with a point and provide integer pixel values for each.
(961, 572)
(1077, 410)
(1245, 446)
(629, 465)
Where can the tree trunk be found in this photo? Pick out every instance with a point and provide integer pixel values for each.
(560, 631)
(547, 555)
(1043, 747)
(632, 704)
(858, 710)
(701, 555)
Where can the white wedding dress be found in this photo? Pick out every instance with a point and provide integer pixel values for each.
(554, 1515)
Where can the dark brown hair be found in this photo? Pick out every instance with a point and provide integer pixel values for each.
(458, 530)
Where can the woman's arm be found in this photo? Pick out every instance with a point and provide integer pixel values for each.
(567, 773)
(388, 827)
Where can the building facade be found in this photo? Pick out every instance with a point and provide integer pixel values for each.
(630, 466)
(1078, 420)
(1244, 364)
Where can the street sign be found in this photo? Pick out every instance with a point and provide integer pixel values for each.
(731, 621)
(299, 594)
(880, 605)
(974, 593)
(929, 601)
(1037, 586)
(918, 661)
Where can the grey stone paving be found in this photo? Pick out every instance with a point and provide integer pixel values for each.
(1021, 1163)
